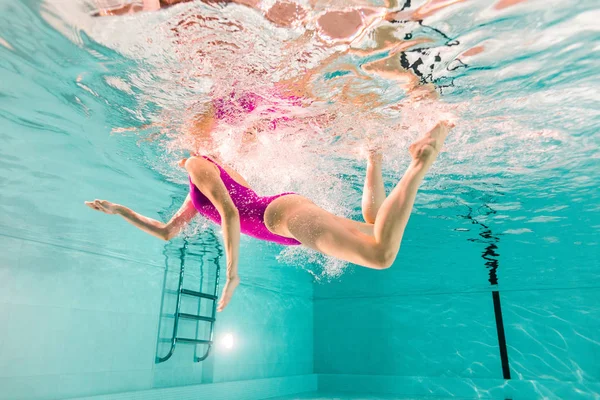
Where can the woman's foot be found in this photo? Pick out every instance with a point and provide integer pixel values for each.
(374, 157)
(427, 148)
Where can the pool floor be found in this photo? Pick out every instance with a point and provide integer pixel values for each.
(349, 396)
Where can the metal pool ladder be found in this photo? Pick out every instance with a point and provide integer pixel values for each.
(178, 315)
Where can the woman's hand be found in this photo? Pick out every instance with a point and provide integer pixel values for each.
(228, 290)
(104, 206)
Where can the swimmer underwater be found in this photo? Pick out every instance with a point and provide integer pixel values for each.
(223, 196)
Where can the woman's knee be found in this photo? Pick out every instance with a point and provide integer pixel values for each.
(369, 215)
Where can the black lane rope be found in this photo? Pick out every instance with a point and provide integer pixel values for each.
(491, 255)
(501, 336)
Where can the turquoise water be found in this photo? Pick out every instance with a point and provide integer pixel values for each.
(511, 206)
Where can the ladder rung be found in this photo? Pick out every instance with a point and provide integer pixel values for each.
(194, 341)
(198, 294)
(196, 317)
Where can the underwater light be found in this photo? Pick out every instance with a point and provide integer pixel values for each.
(227, 341)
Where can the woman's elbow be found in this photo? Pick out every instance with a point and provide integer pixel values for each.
(166, 234)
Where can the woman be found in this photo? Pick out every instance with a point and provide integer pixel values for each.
(223, 196)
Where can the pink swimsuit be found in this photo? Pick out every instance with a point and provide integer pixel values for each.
(250, 206)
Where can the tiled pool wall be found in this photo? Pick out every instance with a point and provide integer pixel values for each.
(77, 323)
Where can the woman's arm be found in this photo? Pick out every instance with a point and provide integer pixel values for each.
(156, 228)
(207, 179)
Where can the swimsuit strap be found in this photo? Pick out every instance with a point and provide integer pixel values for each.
(210, 159)
(221, 169)
(229, 182)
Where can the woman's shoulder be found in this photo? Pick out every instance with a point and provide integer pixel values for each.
(201, 164)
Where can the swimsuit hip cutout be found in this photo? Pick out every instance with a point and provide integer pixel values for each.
(251, 208)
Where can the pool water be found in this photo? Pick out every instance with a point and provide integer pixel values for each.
(494, 293)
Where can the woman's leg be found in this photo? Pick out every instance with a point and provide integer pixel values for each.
(373, 190)
(335, 236)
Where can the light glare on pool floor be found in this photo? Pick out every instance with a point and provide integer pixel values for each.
(227, 341)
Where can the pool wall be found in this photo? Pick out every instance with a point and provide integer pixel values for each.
(411, 327)
(79, 322)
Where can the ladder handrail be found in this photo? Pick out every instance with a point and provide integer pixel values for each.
(178, 315)
(177, 306)
(214, 312)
